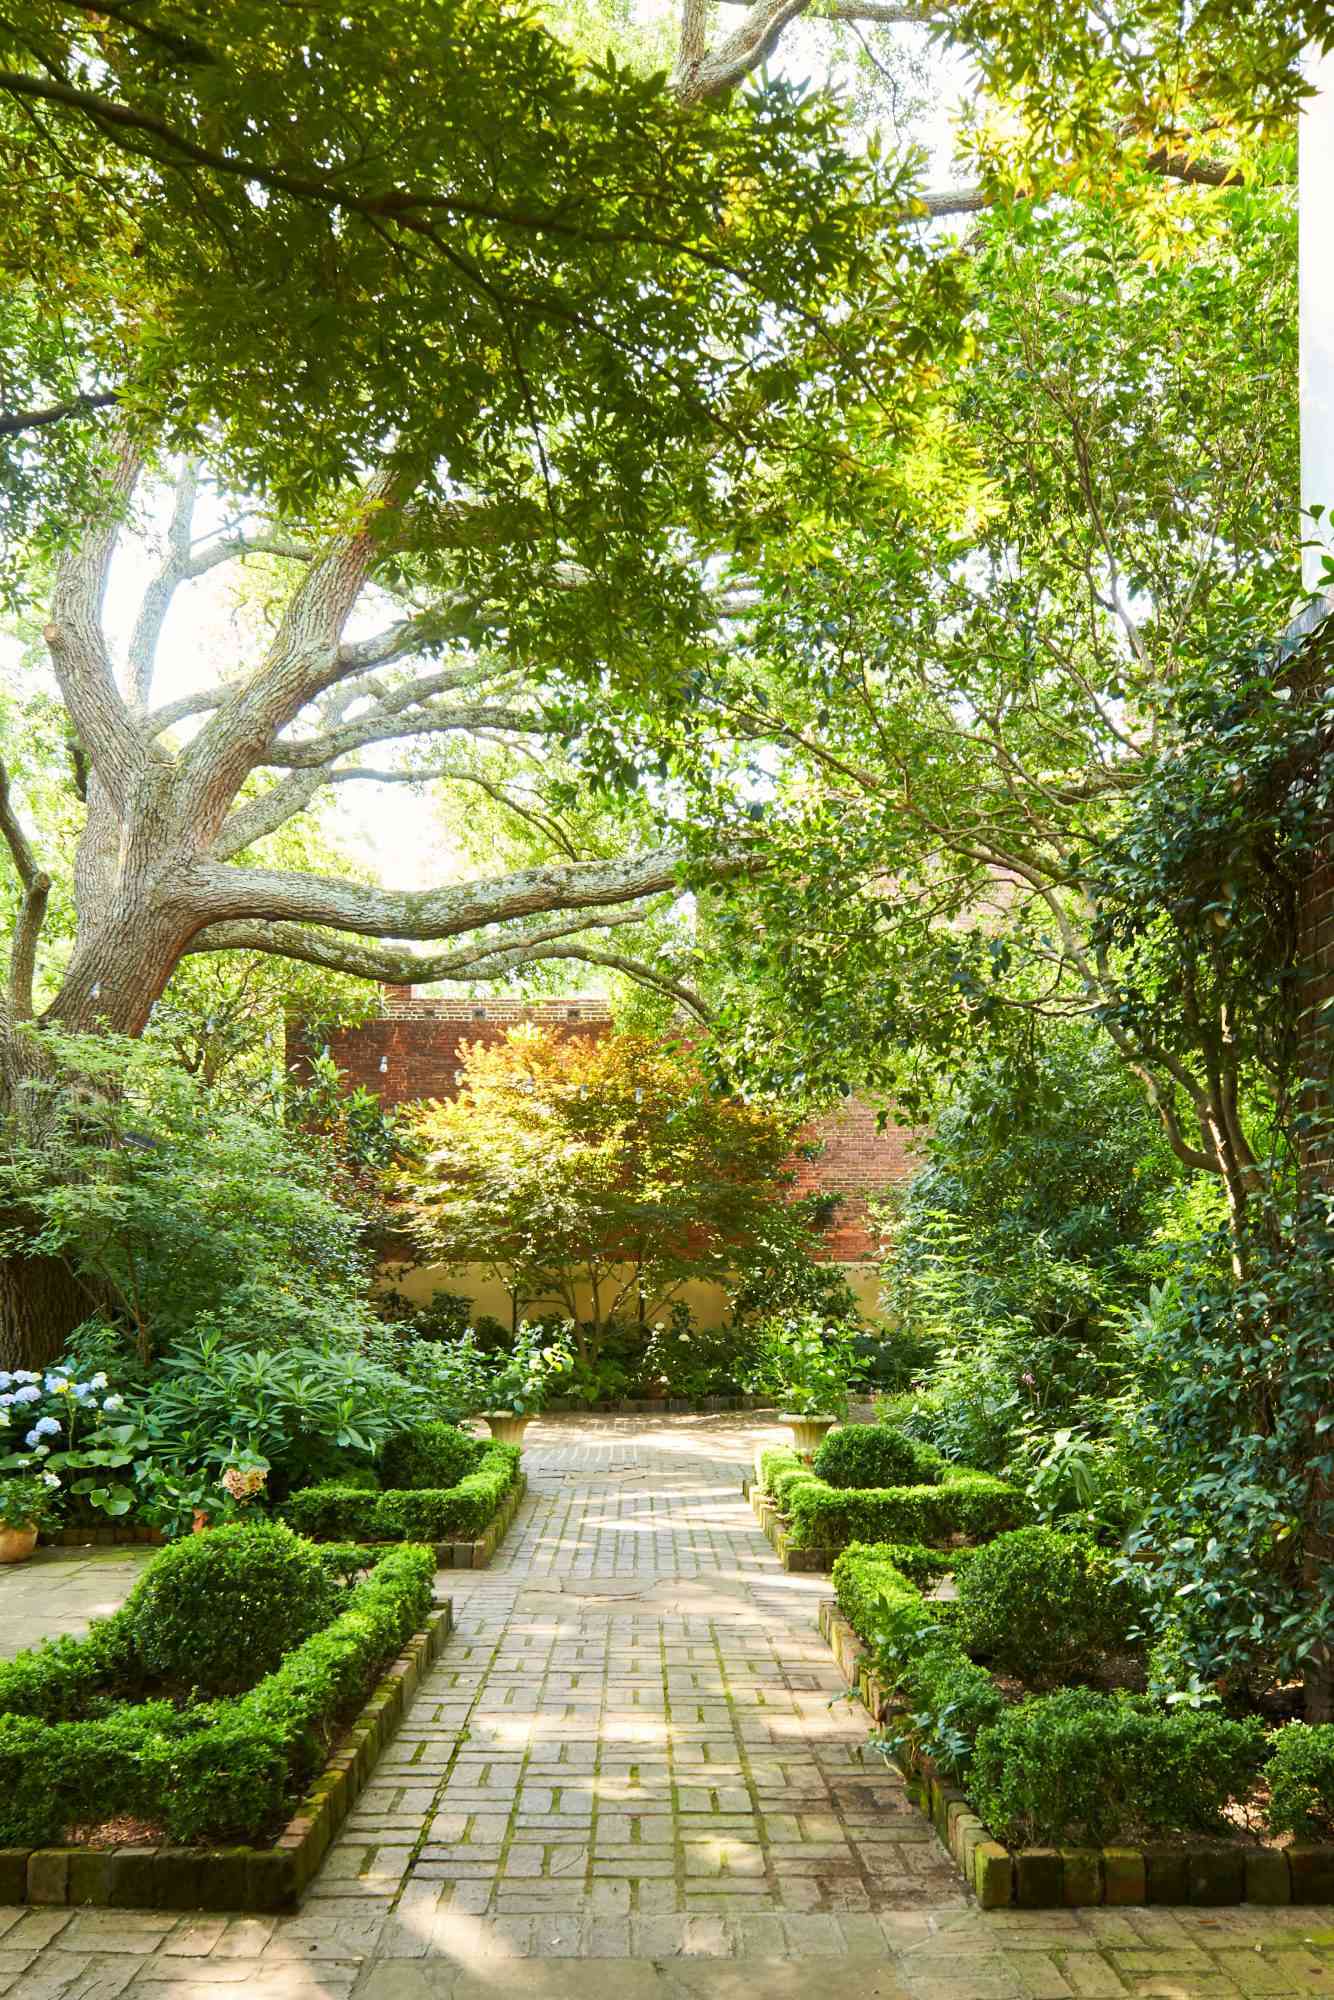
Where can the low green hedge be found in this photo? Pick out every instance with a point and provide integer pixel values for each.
(876, 1455)
(976, 1505)
(75, 1753)
(430, 1514)
(1056, 1769)
(1083, 1766)
(1300, 1775)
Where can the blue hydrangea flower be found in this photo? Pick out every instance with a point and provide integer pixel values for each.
(27, 1395)
(114, 1403)
(46, 1427)
(26, 1375)
(57, 1385)
(5, 1378)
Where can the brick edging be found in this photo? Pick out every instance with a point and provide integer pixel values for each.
(476, 1555)
(775, 1529)
(1054, 1878)
(235, 1878)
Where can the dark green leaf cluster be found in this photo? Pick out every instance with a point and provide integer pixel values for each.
(218, 1611)
(1045, 1605)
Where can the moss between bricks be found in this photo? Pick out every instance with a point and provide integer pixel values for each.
(234, 1878)
(1203, 1874)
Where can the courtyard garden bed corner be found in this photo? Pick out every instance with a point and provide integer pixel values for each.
(1077, 1796)
(809, 1519)
(200, 1747)
(463, 1518)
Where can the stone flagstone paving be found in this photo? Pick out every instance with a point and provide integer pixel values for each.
(632, 1773)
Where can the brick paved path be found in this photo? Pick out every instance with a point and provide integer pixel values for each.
(631, 1774)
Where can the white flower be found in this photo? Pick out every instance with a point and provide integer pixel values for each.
(114, 1403)
(50, 1479)
(26, 1375)
(98, 1381)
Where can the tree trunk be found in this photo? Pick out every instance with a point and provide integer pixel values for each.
(41, 1303)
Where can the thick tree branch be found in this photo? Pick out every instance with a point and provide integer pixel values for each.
(160, 592)
(302, 662)
(398, 966)
(212, 893)
(18, 421)
(77, 643)
(36, 886)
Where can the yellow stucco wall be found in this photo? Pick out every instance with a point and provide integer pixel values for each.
(475, 1282)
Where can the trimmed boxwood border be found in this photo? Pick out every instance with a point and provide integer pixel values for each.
(1201, 1873)
(235, 1878)
(963, 1502)
(474, 1553)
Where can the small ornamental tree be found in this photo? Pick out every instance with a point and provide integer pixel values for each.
(602, 1174)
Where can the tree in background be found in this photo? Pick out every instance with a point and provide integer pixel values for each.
(603, 1173)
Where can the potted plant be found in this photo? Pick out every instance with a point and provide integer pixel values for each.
(26, 1499)
(521, 1383)
(807, 1364)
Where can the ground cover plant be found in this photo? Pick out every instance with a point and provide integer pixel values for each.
(203, 1705)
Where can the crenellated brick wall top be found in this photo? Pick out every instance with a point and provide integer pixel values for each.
(412, 1051)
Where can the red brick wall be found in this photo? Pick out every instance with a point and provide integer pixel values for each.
(412, 1051)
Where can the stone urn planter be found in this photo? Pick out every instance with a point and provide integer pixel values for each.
(17, 1544)
(506, 1428)
(809, 1432)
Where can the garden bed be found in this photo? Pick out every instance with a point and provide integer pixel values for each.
(464, 1522)
(259, 1879)
(1188, 1867)
(808, 1521)
(160, 1760)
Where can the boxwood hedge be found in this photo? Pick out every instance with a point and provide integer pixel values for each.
(975, 1505)
(428, 1513)
(77, 1748)
(1066, 1768)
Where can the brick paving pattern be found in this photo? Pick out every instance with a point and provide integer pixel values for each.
(632, 1772)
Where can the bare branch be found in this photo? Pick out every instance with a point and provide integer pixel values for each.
(398, 966)
(19, 421)
(302, 661)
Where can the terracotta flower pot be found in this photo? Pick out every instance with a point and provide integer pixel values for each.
(809, 1432)
(505, 1427)
(17, 1544)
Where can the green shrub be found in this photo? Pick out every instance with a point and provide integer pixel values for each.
(336, 1510)
(974, 1505)
(1300, 1775)
(57, 1679)
(1043, 1605)
(432, 1514)
(222, 1770)
(455, 1512)
(1084, 1767)
(949, 1698)
(219, 1610)
(432, 1454)
(865, 1569)
(866, 1455)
